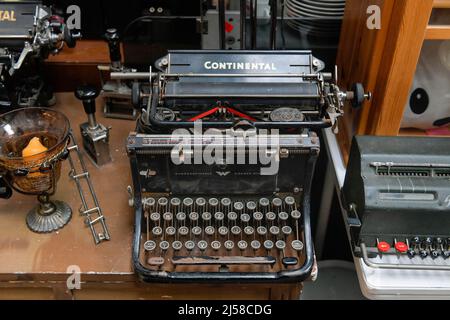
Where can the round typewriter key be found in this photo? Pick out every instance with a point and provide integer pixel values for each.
(411, 253)
(251, 205)
(219, 216)
(164, 245)
(155, 216)
(242, 245)
(213, 202)
(177, 245)
(268, 244)
(264, 202)
(229, 245)
(149, 245)
(297, 245)
(295, 214)
(157, 231)
(236, 230)
(175, 202)
(168, 216)
(209, 230)
(290, 201)
(190, 245)
(202, 245)
(232, 216)
(446, 254)
(280, 244)
(283, 216)
(401, 247)
(255, 244)
(223, 231)
(150, 202)
(274, 230)
(162, 201)
(215, 245)
(238, 206)
(258, 216)
(188, 202)
(249, 230)
(197, 231)
(287, 230)
(183, 231)
(206, 216)
(170, 231)
(262, 231)
(271, 216)
(200, 202)
(245, 217)
(434, 254)
(181, 216)
(226, 202)
(276, 202)
(193, 216)
(383, 246)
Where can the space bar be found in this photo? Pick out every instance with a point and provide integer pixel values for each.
(221, 260)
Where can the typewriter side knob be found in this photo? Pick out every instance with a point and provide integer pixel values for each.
(357, 95)
(136, 95)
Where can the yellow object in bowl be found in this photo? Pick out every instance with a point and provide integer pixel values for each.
(34, 147)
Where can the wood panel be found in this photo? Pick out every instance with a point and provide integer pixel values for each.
(437, 32)
(441, 4)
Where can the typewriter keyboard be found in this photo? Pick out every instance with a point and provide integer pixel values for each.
(208, 234)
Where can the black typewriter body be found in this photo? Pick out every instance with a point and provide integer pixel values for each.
(232, 218)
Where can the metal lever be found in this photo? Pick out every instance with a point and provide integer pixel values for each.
(93, 215)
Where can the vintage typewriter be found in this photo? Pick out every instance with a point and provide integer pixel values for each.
(230, 219)
(397, 196)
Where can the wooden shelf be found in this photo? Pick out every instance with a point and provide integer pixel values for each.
(437, 32)
(417, 132)
(441, 4)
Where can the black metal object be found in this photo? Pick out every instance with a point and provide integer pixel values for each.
(274, 24)
(222, 35)
(243, 24)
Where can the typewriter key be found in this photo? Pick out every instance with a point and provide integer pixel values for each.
(215, 245)
(202, 245)
(287, 230)
(213, 202)
(271, 216)
(226, 202)
(249, 230)
(181, 216)
(157, 231)
(242, 245)
(190, 245)
(170, 231)
(238, 206)
(168, 216)
(193, 216)
(177, 245)
(219, 216)
(150, 202)
(163, 201)
(183, 231)
(255, 244)
(209, 230)
(187, 202)
(290, 201)
(283, 216)
(175, 202)
(446, 254)
(434, 254)
(236, 230)
(232, 216)
(164, 245)
(251, 205)
(229, 245)
(295, 214)
(297, 245)
(155, 216)
(274, 230)
(411, 253)
(280, 244)
(264, 202)
(258, 216)
(149, 245)
(223, 231)
(268, 244)
(197, 231)
(262, 231)
(276, 202)
(200, 202)
(245, 217)
(206, 216)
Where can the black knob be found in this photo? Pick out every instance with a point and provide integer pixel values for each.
(434, 254)
(70, 37)
(358, 95)
(136, 95)
(415, 240)
(5, 190)
(423, 254)
(113, 38)
(87, 95)
(411, 253)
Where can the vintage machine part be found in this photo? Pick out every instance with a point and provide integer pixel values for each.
(29, 32)
(397, 200)
(210, 41)
(95, 135)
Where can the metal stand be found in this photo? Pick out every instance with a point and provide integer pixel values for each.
(48, 216)
(93, 215)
